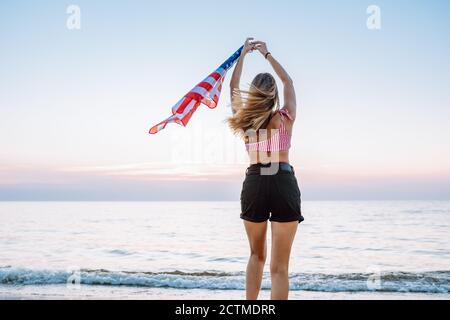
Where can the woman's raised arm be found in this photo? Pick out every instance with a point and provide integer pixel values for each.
(237, 72)
(289, 92)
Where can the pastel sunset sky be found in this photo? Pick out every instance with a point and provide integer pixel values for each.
(76, 105)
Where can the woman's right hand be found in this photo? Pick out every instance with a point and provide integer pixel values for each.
(248, 46)
(261, 47)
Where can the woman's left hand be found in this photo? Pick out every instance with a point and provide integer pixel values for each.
(248, 46)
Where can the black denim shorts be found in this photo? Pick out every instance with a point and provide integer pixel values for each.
(271, 192)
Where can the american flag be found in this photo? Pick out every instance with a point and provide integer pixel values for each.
(206, 92)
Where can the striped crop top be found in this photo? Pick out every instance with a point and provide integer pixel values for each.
(280, 141)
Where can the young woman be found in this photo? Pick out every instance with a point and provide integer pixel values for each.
(270, 190)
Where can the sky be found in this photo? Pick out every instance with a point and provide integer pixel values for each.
(76, 104)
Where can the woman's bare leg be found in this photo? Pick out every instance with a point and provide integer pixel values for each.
(256, 233)
(283, 234)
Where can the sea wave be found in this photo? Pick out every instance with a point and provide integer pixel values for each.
(423, 282)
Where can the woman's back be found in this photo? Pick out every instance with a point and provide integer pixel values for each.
(272, 143)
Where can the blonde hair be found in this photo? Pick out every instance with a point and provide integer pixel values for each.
(256, 106)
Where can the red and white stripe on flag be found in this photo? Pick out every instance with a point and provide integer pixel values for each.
(206, 92)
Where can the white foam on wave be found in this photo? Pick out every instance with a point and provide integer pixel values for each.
(427, 282)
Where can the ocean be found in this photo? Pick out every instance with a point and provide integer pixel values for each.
(199, 250)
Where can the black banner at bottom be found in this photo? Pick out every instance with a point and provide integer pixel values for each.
(215, 309)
